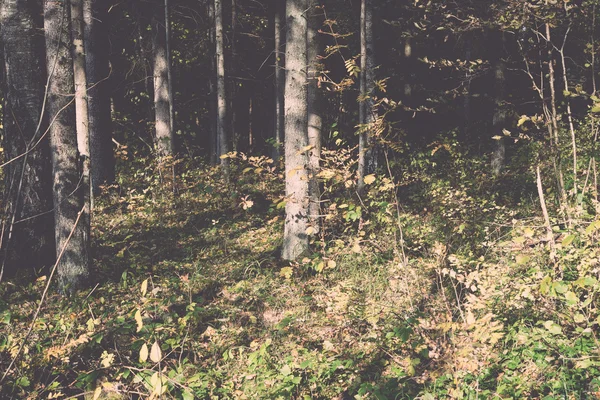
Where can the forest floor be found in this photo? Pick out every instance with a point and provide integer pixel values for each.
(448, 295)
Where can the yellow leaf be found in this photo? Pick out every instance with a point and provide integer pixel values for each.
(144, 287)
(155, 353)
(138, 319)
(224, 156)
(310, 230)
(522, 120)
(144, 353)
(97, 393)
(331, 264)
(286, 272)
(369, 179)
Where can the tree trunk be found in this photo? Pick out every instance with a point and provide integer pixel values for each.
(222, 127)
(500, 112)
(169, 70)
(367, 159)
(212, 89)
(279, 78)
(73, 269)
(162, 100)
(233, 100)
(314, 116)
(82, 120)
(295, 239)
(27, 238)
(98, 72)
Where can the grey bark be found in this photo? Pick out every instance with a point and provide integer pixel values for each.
(222, 126)
(82, 121)
(315, 122)
(295, 239)
(212, 88)
(169, 68)
(500, 116)
(28, 237)
(73, 269)
(162, 100)
(279, 78)
(98, 72)
(367, 157)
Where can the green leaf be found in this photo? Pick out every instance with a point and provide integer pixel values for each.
(571, 298)
(522, 259)
(560, 287)
(286, 370)
(568, 240)
(552, 327)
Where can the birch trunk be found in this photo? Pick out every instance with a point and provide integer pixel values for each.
(295, 239)
(222, 127)
(314, 116)
(162, 100)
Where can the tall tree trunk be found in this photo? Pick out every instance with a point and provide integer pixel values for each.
(295, 239)
(314, 116)
(212, 89)
(169, 68)
(73, 269)
(500, 112)
(233, 100)
(27, 238)
(162, 99)
(279, 78)
(222, 126)
(82, 120)
(367, 158)
(97, 72)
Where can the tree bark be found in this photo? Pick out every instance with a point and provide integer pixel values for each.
(82, 120)
(28, 239)
(97, 73)
(279, 78)
(212, 89)
(73, 269)
(295, 239)
(367, 159)
(162, 99)
(222, 126)
(315, 122)
(500, 112)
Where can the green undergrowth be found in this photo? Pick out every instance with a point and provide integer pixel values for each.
(439, 283)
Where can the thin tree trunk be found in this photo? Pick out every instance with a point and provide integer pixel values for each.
(233, 100)
(279, 78)
(222, 127)
(162, 99)
(82, 120)
(169, 68)
(212, 88)
(27, 238)
(499, 118)
(295, 239)
(367, 159)
(314, 116)
(97, 73)
(569, 113)
(73, 269)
